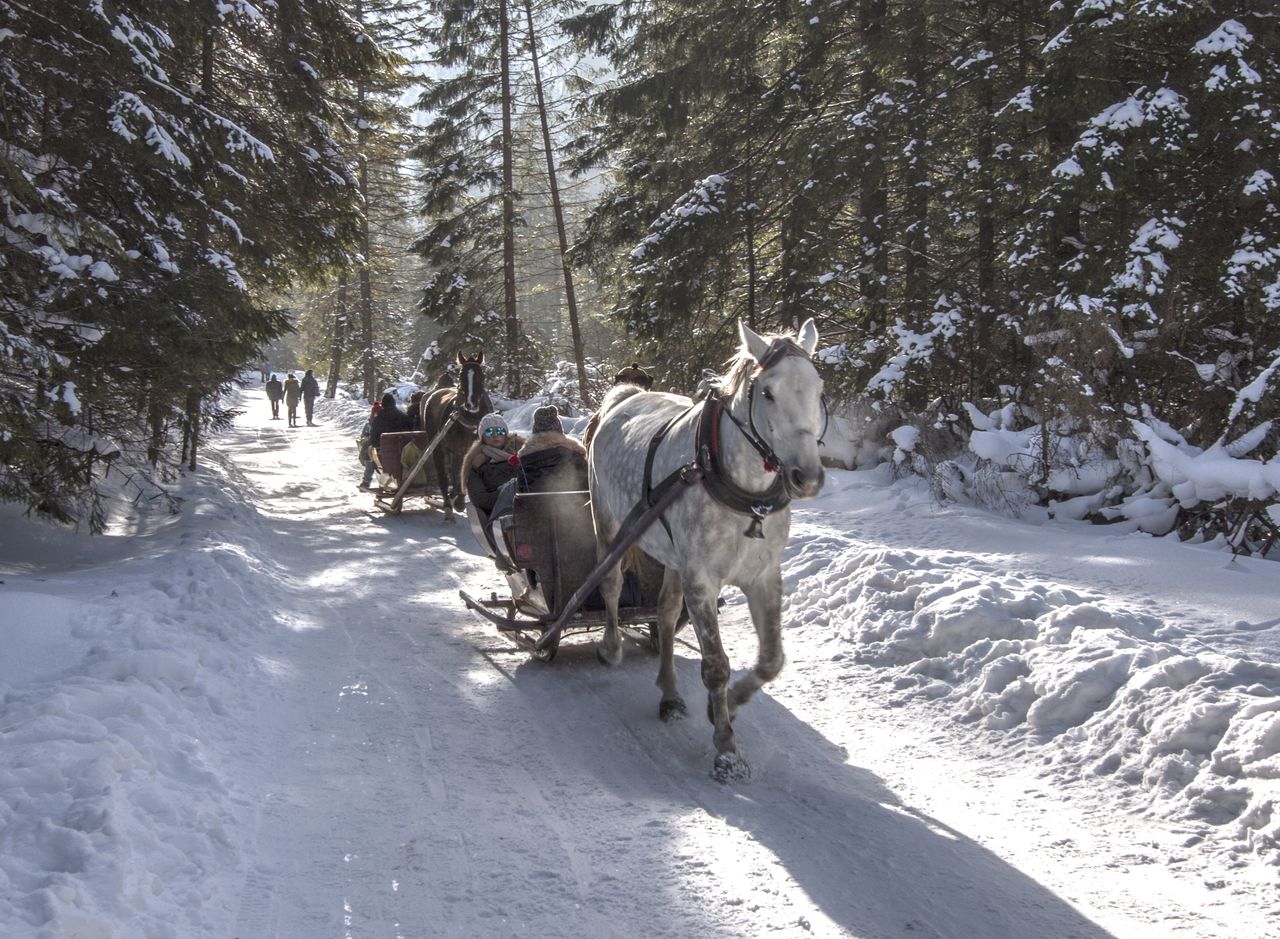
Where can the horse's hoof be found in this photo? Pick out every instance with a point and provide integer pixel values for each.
(672, 710)
(730, 768)
(459, 504)
(610, 657)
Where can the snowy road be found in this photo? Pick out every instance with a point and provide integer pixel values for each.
(384, 765)
(419, 776)
(422, 771)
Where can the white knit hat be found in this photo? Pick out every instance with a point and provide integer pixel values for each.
(491, 420)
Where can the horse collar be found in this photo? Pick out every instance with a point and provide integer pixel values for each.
(468, 419)
(723, 489)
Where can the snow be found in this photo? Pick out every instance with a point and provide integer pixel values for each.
(1068, 168)
(1208, 475)
(269, 715)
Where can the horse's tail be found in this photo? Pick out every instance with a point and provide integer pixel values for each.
(616, 395)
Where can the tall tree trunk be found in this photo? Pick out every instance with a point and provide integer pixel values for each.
(752, 318)
(366, 285)
(916, 264)
(508, 212)
(570, 300)
(155, 420)
(206, 63)
(193, 426)
(792, 265)
(873, 200)
(339, 341)
(986, 258)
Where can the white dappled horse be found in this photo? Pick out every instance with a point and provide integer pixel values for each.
(756, 439)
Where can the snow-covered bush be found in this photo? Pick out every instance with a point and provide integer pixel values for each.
(1155, 481)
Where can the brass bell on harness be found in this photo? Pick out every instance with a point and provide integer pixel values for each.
(756, 529)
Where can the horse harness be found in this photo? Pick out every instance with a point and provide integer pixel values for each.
(707, 457)
(468, 419)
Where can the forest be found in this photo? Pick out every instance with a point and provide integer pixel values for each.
(1041, 239)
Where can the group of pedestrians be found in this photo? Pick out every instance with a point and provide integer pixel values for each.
(291, 391)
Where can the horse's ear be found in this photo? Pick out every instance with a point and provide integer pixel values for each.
(808, 336)
(480, 358)
(756, 344)
(462, 360)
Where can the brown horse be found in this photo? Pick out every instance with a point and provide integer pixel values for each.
(469, 402)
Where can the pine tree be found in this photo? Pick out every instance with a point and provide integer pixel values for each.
(164, 168)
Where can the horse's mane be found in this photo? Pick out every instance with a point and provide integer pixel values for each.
(615, 396)
(739, 370)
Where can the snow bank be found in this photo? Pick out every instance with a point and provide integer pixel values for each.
(119, 688)
(1100, 689)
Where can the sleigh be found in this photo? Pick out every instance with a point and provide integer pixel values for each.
(549, 556)
(399, 480)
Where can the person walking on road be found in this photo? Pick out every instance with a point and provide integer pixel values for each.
(275, 391)
(310, 391)
(292, 392)
(264, 369)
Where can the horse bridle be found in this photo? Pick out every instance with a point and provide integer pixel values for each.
(466, 417)
(719, 486)
(778, 350)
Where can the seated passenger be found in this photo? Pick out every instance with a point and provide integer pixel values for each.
(389, 419)
(488, 463)
(549, 461)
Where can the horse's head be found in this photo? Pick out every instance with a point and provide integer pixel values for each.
(785, 404)
(471, 383)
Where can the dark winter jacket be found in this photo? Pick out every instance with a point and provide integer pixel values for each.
(552, 462)
(389, 420)
(482, 476)
(275, 390)
(310, 387)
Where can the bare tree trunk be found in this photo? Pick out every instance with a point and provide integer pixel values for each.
(193, 425)
(155, 418)
(873, 200)
(752, 319)
(570, 300)
(206, 63)
(916, 266)
(986, 259)
(508, 213)
(366, 286)
(339, 343)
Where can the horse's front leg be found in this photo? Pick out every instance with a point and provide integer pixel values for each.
(701, 600)
(443, 480)
(764, 599)
(455, 480)
(670, 606)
